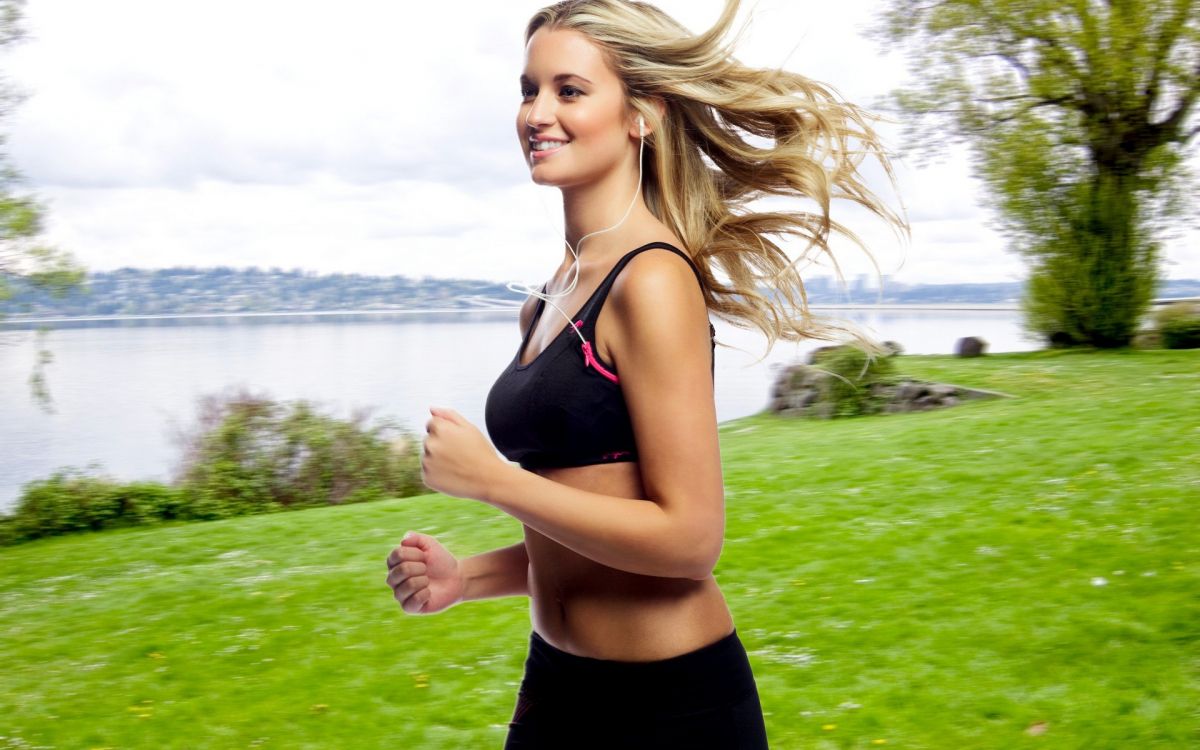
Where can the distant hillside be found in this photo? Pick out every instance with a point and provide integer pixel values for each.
(177, 291)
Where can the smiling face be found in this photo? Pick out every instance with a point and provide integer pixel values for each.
(574, 121)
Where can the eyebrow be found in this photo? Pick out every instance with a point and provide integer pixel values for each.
(558, 78)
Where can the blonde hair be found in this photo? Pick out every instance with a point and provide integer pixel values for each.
(701, 173)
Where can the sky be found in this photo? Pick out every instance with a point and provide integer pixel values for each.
(379, 138)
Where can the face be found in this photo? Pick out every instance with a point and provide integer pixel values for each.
(574, 122)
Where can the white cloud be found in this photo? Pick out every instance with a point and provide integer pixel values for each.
(379, 137)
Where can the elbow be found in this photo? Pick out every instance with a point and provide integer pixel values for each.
(698, 538)
(700, 559)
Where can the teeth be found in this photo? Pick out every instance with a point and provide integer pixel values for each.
(547, 145)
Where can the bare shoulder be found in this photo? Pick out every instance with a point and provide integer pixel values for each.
(661, 281)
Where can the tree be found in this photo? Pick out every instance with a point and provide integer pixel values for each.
(21, 255)
(1078, 115)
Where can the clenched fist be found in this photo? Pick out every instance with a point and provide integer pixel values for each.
(424, 576)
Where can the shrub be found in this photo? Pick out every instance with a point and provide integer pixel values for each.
(71, 500)
(849, 388)
(249, 454)
(1178, 325)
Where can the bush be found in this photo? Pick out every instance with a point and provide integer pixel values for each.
(249, 454)
(1178, 325)
(246, 455)
(849, 389)
(71, 500)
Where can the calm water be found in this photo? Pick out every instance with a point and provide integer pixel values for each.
(119, 389)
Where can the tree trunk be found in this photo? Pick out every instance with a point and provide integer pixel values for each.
(1093, 286)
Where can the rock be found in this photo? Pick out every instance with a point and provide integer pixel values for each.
(822, 410)
(970, 346)
(893, 347)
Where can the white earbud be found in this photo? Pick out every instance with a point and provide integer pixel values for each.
(642, 125)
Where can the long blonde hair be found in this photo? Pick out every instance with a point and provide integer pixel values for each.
(701, 173)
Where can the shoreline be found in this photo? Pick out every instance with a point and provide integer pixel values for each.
(16, 322)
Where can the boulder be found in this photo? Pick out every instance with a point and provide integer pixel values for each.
(970, 346)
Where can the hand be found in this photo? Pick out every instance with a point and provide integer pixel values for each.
(424, 576)
(458, 460)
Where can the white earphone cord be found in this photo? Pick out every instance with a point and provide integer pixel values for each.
(530, 291)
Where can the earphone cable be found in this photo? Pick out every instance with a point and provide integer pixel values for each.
(530, 291)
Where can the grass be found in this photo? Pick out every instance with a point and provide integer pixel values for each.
(1018, 573)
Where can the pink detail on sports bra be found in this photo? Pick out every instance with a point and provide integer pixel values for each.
(590, 359)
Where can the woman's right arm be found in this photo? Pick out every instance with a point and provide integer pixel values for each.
(425, 578)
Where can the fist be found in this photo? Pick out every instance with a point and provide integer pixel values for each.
(424, 577)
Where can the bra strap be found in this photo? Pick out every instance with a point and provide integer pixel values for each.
(587, 321)
(597, 301)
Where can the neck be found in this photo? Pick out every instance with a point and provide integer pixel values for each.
(598, 206)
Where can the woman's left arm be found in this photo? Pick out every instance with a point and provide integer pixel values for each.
(663, 359)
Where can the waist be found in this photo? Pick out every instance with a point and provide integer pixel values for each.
(714, 673)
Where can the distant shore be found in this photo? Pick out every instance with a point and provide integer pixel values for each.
(17, 322)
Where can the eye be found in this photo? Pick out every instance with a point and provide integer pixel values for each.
(570, 92)
(528, 92)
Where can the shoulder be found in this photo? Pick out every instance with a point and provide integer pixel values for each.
(660, 281)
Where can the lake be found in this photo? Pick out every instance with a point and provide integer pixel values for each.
(120, 387)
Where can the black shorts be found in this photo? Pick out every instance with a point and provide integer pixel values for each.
(703, 699)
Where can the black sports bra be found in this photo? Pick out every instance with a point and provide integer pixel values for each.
(566, 407)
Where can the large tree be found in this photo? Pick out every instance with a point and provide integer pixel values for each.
(1079, 115)
(22, 256)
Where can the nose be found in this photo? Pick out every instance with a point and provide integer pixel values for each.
(540, 112)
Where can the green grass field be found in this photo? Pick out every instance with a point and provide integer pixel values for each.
(1017, 573)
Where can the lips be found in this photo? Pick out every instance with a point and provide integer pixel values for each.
(544, 147)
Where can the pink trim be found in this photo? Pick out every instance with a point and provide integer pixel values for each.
(614, 455)
(589, 358)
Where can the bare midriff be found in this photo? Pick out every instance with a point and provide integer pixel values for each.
(589, 609)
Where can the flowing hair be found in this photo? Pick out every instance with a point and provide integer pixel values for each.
(702, 173)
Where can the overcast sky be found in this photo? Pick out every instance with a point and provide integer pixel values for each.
(378, 137)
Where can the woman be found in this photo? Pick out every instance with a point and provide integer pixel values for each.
(609, 413)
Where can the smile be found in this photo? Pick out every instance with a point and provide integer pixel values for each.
(542, 149)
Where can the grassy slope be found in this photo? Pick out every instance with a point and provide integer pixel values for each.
(937, 580)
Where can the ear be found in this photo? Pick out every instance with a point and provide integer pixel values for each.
(653, 109)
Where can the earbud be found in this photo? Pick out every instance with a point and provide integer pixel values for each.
(642, 125)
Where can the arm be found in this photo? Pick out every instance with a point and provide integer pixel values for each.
(662, 354)
(501, 572)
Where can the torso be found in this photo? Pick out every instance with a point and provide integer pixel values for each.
(589, 609)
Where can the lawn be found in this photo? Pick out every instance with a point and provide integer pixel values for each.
(1016, 573)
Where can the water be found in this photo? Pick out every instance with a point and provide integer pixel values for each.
(119, 389)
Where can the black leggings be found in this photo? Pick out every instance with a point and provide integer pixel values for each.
(703, 699)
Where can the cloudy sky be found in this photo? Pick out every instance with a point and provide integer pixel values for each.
(378, 137)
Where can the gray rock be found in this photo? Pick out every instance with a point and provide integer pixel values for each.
(970, 346)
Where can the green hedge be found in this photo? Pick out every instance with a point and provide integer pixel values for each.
(71, 500)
